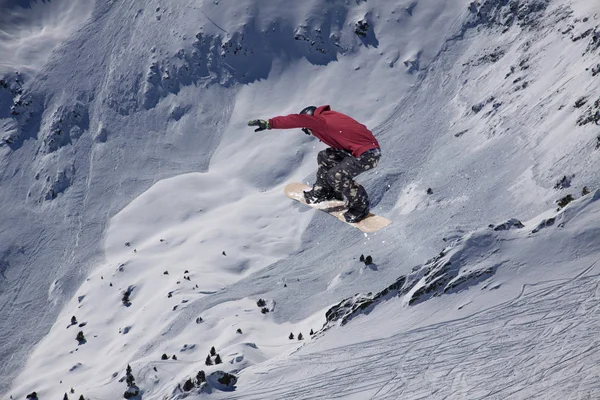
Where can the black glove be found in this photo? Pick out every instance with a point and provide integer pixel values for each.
(261, 123)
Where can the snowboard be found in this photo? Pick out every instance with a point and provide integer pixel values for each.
(337, 208)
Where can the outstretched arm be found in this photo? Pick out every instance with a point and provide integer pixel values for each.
(288, 122)
(313, 122)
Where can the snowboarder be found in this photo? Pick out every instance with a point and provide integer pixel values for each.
(352, 150)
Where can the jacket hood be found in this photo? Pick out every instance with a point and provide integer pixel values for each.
(322, 109)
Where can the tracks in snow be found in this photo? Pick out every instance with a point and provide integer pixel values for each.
(543, 344)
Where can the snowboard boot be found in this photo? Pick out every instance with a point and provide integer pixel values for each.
(317, 196)
(356, 213)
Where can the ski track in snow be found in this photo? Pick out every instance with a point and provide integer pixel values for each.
(543, 345)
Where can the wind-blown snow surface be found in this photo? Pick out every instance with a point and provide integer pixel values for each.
(127, 168)
(31, 30)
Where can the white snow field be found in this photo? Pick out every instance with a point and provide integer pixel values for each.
(139, 209)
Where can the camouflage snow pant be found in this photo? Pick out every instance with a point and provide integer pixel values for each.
(337, 168)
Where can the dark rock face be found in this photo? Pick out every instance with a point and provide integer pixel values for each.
(506, 13)
(544, 224)
(564, 182)
(510, 224)
(67, 124)
(445, 273)
(591, 114)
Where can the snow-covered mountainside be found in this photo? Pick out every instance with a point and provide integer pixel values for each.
(145, 234)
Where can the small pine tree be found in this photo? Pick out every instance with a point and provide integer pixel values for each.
(81, 397)
(261, 303)
(65, 397)
(129, 378)
(300, 337)
(164, 357)
(125, 298)
(311, 332)
(239, 331)
(174, 357)
(73, 320)
(213, 352)
(200, 377)
(132, 389)
(264, 310)
(291, 337)
(80, 337)
(188, 385)
(218, 359)
(208, 361)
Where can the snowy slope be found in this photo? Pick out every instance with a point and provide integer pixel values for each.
(127, 168)
(530, 331)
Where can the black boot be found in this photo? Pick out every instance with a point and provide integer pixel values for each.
(316, 196)
(356, 213)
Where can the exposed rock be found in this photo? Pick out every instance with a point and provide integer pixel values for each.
(66, 125)
(544, 224)
(591, 114)
(506, 13)
(564, 201)
(443, 274)
(361, 28)
(564, 182)
(510, 224)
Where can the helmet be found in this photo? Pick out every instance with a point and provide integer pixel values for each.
(310, 110)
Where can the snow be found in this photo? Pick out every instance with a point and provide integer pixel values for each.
(32, 30)
(126, 167)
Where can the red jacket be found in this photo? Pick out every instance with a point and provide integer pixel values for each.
(335, 129)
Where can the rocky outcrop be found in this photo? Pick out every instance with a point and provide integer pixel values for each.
(506, 13)
(448, 272)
